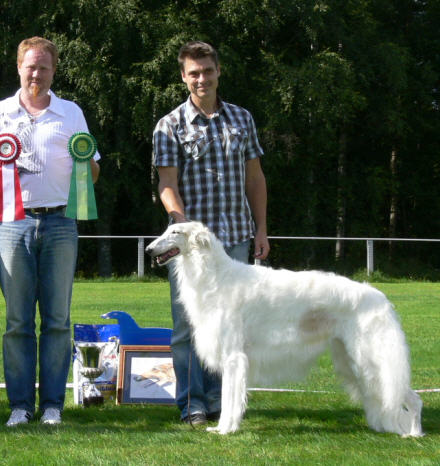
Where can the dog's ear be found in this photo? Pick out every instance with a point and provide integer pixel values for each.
(201, 238)
(204, 239)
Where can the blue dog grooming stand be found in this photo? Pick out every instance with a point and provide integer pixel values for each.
(131, 334)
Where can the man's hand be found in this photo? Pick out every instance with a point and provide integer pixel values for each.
(262, 246)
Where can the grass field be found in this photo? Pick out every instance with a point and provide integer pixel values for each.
(279, 428)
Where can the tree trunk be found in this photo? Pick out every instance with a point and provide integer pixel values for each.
(393, 200)
(341, 205)
(104, 250)
(105, 258)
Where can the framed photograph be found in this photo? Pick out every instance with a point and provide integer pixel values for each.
(146, 375)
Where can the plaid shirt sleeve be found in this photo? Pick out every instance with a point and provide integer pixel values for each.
(253, 149)
(165, 144)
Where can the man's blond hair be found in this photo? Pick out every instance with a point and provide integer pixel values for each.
(37, 43)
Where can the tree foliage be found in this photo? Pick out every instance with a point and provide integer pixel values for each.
(345, 95)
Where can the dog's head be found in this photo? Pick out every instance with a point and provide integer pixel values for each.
(179, 239)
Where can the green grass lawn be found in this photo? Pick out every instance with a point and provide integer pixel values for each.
(279, 428)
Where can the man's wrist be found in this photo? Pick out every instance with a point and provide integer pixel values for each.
(178, 217)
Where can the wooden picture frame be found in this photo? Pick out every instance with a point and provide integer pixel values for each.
(145, 375)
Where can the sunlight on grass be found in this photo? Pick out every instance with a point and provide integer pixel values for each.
(279, 428)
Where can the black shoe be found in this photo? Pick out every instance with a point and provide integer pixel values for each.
(215, 416)
(195, 419)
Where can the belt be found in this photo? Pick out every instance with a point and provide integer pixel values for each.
(44, 210)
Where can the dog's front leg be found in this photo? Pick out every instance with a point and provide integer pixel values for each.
(234, 393)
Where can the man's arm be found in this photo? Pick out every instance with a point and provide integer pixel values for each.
(256, 194)
(169, 193)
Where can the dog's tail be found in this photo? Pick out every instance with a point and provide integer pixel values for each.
(373, 359)
(390, 403)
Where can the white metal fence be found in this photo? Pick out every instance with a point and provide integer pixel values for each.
(368, 241)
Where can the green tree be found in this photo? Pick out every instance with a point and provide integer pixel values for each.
(345, 96)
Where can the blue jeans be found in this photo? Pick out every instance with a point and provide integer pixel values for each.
(204, 387)
(37, 263)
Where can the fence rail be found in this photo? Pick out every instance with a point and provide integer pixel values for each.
(368, 241)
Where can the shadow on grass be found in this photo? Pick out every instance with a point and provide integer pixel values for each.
(328, 420)
(309, 419)
(108, 418)
(156, 419)
(431, 420)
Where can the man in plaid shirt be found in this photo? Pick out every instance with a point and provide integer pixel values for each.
(208, 158)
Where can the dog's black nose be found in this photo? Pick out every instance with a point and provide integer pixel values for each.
(148, 250)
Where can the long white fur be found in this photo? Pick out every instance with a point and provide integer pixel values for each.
(257, 325)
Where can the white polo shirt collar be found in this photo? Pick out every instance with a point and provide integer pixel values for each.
(13, 105)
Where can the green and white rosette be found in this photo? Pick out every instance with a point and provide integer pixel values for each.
(82, 204)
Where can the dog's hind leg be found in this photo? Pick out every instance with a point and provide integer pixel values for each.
(361, 379)
(380, 361)
(403, 419)
(411, 415)
(344, 368)
(234, 393)
(408, 416)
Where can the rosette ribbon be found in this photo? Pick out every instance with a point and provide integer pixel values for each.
(81, 204)
(11, 204)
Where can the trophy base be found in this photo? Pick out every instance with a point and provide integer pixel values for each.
(93, 401)
(92, 396)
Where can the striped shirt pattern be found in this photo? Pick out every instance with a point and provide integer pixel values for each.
(210, 154)
(44, 165)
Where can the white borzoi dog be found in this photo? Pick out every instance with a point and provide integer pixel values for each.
(255, 325)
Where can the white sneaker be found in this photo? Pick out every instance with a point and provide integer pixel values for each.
(51, 416)
(19, 416)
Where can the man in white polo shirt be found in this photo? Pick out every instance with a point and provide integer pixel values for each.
(38, 253)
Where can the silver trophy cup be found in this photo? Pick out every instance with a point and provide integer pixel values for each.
(91, 368)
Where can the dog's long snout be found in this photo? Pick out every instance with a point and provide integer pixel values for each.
(150, 248)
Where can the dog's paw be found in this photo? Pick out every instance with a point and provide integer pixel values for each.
(221, 429)
(214, 430)
(413, 435)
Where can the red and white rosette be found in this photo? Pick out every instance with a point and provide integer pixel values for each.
(11, 204)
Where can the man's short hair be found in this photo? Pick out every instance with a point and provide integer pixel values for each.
(196, 49)
(37, 43)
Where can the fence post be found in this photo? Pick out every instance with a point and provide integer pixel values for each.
(141, 256)
(370, 257)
